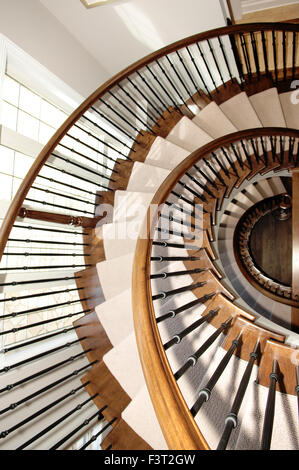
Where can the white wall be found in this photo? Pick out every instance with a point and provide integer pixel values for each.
(34, 29)
(86, 47)
(123, 31)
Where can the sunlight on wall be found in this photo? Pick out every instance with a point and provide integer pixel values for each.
(139, 26)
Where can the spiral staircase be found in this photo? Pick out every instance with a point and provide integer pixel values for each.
(175, 344)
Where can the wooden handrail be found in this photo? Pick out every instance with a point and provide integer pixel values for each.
(176, 421)
(26, 184)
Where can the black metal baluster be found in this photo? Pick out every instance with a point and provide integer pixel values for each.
(42, 294)
(206, 177)
(50, 242)
(266, 160)
(98, 414)
(46, 254)
(200, 185)
(204, 394)
(235, 51)
(48, 387)
(170, 293)
(67, 196)
(43, 322)
(137, 104)
(201, 197)
(51, 266)
(274, 55)
(157, 96)
(294, 55)
(179, 336)
(270, 408)
(56, 423)
(146, 98)
(199, 73)
(216, 62)
(45, 203)
(95, 124)
(166, 275)
(46, 229)
(40, 309)
(189, 75)
(236, 153)
(231, 420)
(216, 173)
(207, 67)
(52, 180)
(82, 167)
(78, 141)
(247, 155)
(230, 161)
(255, 54)
(95, 436)
(163, 88)
(103, 142)
(43, 371)
(256, 154)
(182, 222)
(78, 177)
(184, 246)
(182, 198)
(38, 356)
(183, 308)
(131, 112)
(39, 339)
(192, 360)
(265, 54)
(38, 413)
(170, 81)
(225, 57)
(245, 55)
(284, 55)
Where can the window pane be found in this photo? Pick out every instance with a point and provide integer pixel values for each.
(29, 102)
(5, 186)
(51, 115)
(9, 116)
(11, 90)
(22, 164)
(6, 160)
(45, 133)
(27, 125)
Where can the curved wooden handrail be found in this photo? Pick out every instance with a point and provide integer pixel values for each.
(26, 184)
(176, 421)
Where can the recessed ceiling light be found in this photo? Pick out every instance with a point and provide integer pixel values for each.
(95, 3)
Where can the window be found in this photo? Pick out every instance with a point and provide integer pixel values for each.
(28, 113)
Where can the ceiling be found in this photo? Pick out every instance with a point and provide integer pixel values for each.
(120, 32)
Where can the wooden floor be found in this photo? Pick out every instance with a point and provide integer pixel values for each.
(288, 13)
(271, 247)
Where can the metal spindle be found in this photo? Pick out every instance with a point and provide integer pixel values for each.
(179, 336)
(205, 393)
(192, 360)
(231, 420)
(270, 408)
